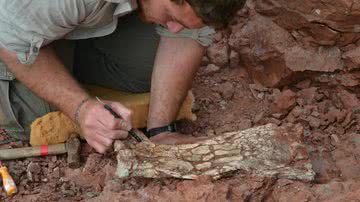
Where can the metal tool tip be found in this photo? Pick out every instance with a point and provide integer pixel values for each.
(98, 99)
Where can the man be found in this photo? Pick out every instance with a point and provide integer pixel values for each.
(28, 27)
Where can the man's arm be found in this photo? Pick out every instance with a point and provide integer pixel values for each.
(47, 77)
(176, 64)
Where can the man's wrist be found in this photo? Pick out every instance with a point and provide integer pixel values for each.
(78, 109)
(158, 130)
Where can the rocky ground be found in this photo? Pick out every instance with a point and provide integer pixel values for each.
(226, 100)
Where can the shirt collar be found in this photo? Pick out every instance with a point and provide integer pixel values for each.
(124, 6)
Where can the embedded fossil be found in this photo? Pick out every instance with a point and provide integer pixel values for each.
(265, 150)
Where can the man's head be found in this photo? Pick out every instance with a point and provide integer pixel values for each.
(217, 13)
(179, 14)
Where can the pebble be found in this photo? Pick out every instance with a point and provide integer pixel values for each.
(211, 69)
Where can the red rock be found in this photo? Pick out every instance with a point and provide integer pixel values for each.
(348, 79)
(349, 100)
(298, 59)
(291, 191)
(226, 90)
(303, 84)
(218, 54)
(234, 59)
(304, 36)
(284, 102)
(314, 122)
(308, 95)
(334, 115)
(211, 69)
(323, 165)
(337, 191)
(352, 58)
(346, 157)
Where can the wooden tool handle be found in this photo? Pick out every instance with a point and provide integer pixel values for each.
(8, 182)
(9, 154)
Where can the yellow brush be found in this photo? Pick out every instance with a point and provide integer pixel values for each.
(8, 182)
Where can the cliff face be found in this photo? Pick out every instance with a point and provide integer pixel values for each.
(279, 41)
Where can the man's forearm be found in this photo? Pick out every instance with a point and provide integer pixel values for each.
(175, 66)
(47, 78)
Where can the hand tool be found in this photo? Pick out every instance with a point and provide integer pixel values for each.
(71, 147)
(8, 182)
(132, 132)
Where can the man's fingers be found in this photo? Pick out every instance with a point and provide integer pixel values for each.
(101, 127)
(125, 114)
(97, 146)
(114, 134)
(109, 121)
(118, 134)
(102, 139)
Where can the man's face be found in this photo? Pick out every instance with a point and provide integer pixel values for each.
(168, 14)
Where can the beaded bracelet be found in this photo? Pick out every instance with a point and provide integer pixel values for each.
(78, 108)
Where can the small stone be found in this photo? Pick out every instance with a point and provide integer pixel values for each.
(211, 69)
(334, 139)
(56, 173)
(278, 115)
(210, 133)
(308, 95)
(314, 122)
(244, 124)
(258, 117)
(54, 158)
(33, 170)
(205, 61)
(218, 54)
(349, 100)
(297, 111)
(234, 59)
(347, 119)
(260, 96)
(226, 90)
(315, 114)
(274, 121)
(303, 84)
(284, 102)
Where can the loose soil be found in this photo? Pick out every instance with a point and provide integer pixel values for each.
(226, 100)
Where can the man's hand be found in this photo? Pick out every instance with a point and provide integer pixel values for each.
(174, 138)
(100, 127)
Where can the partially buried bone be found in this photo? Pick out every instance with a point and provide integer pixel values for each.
(265, 150)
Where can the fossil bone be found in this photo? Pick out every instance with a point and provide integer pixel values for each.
(265, 150)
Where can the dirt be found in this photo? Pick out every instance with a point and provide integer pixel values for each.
(226, 100)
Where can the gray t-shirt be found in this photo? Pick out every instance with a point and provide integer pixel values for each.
(27, 25)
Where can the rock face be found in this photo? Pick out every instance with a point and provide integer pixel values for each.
(276, 40)
(265, 151)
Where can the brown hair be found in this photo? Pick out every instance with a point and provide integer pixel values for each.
(215, 12)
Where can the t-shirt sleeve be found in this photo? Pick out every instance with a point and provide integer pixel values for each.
(204, 36)
(27, 25)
